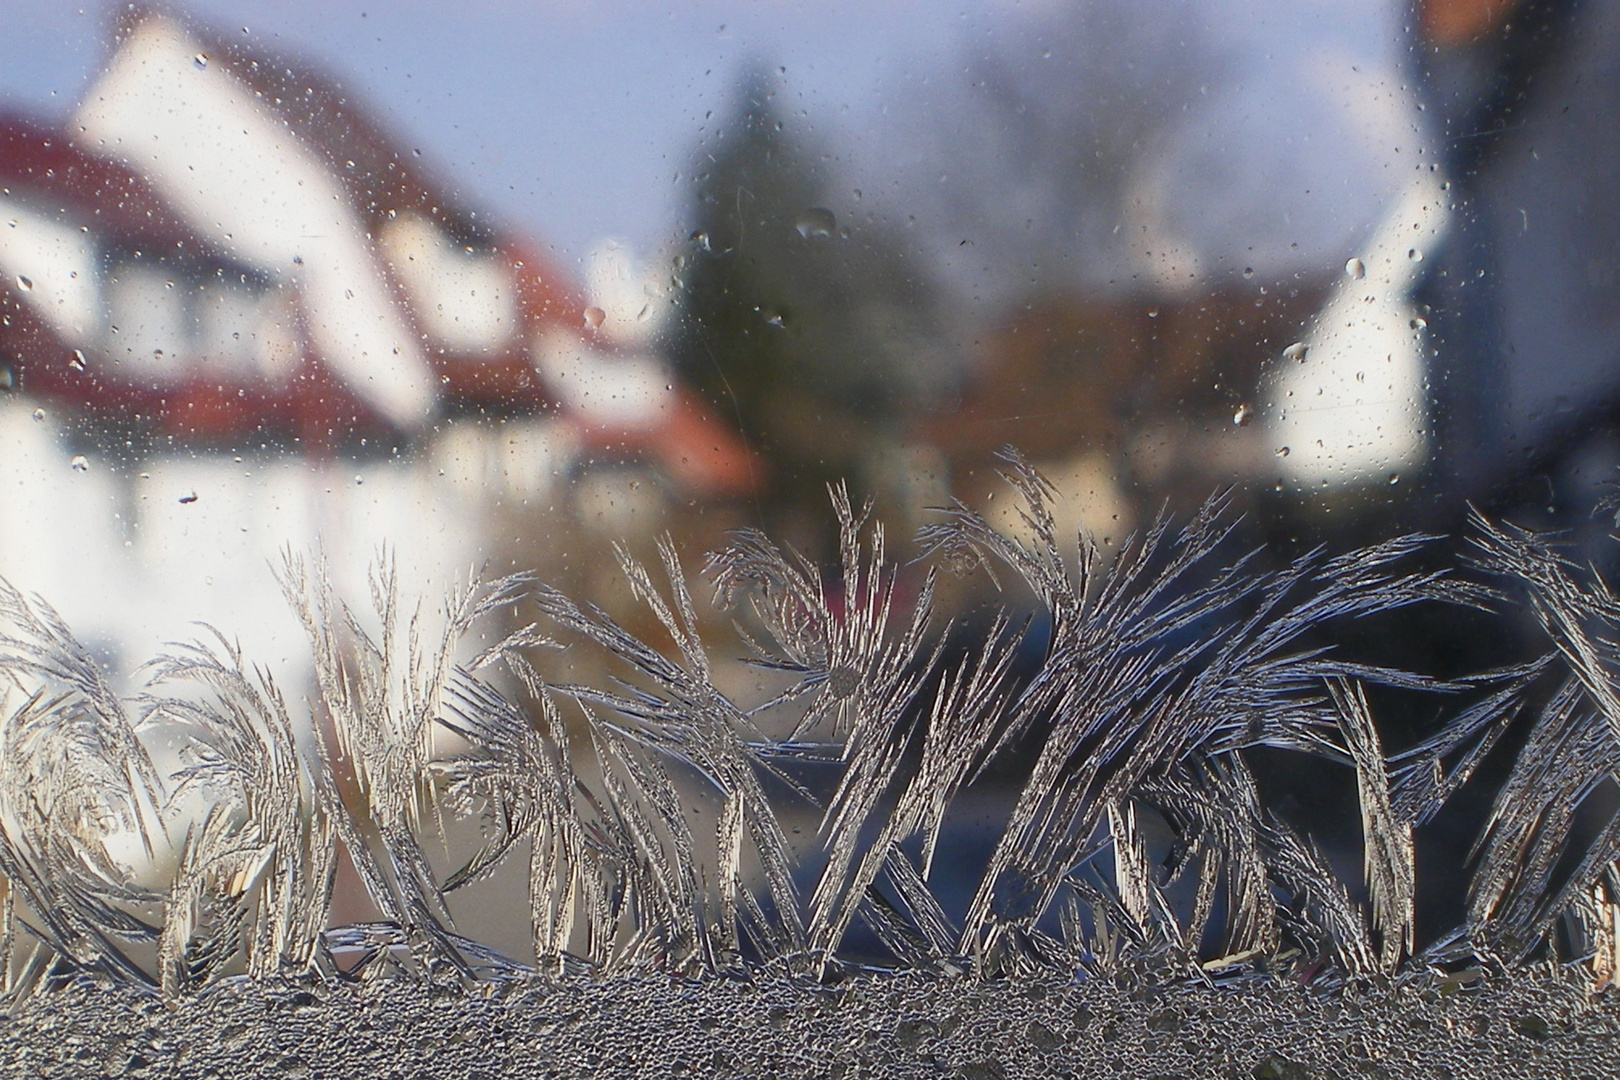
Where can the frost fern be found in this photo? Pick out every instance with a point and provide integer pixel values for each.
(1137, 830)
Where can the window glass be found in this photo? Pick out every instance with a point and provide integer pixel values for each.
(527, 287)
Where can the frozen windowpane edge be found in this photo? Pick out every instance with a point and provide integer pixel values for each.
(1538, 1023)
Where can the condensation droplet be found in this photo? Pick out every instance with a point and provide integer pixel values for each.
(774, 321)
(701, 239)
(200, 61)
(1248, 271)
(80, 463)
(1394, 478)
(594, 317)
(1419, 323)
(1296, 351)
(1283, 451)
(1356, 269)
(1414, 254)
(188, 498)
(816, 222)
(39, 414)
(77, 361)
(25, 284)
(1244, 414)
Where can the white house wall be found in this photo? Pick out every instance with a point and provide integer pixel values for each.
(135, 555)
(244, 182)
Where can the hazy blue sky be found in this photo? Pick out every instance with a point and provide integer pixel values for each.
(1250, 133)
(568, 118)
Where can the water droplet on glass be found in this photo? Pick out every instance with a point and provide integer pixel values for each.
(77, 361)
(817, 221)
(1244, 414)
(80, 463)
(358, 480)
(1394, 478)
(188, 498)
(201, 61)
(701, 239)
(594, 317)
(1283, 451)
(1153, 313)
(1356, 269)
(1296, 351)
(39, 414)
(774, 321)
(1248, 271)
(1419, 323)
(1414, 254)
(25, 284)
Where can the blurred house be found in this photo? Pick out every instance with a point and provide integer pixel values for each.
(1312, 388)
(238, 316)
(1126, 404)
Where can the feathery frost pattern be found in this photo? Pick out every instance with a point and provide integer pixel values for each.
(1125, 725)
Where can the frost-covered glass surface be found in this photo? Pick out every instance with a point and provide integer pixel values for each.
(1047, 395)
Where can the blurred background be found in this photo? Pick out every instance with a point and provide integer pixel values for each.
(498, 288)
(502, 288)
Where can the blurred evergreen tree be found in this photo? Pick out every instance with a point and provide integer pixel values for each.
(817, 338)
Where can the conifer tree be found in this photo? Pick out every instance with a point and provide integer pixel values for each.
(814, 335)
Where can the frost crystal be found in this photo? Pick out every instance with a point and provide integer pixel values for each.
(1126, 729)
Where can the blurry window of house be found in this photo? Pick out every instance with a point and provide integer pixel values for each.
(149, 325)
